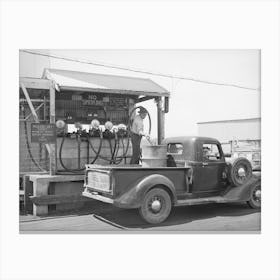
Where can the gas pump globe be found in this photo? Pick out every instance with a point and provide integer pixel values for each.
(78, 126)
(95, 124)
(108, 125)
(121, 126)
(60, 124)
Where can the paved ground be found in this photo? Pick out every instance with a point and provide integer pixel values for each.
(104, 217)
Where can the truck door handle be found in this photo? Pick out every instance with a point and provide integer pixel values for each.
(204, 164)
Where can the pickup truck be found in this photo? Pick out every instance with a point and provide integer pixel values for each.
(196, 172)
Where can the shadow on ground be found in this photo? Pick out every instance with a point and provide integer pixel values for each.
(130, 218)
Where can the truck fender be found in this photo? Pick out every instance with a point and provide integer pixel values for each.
(242, 193)
(134, 197)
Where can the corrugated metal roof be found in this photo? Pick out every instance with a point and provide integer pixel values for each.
(74, 80)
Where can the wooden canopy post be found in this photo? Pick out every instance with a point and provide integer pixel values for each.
(160, 121)
(52, 153)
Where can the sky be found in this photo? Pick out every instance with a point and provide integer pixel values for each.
(190, 102)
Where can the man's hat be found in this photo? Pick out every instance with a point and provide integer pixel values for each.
(142, 110)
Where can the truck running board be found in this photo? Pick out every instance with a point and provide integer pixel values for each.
(203, 200)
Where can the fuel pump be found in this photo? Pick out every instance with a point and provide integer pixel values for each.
(113, 135)
(125, 131)
(118, 133)
(108, 134)
(80, 135)
(95, 131)
(60, 124)
(121, 132)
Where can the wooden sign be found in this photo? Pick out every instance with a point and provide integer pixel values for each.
(43, 133)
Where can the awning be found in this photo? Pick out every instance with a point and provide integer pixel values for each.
(82, 81)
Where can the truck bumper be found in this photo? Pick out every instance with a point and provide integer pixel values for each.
(115, 202)
(98, 197)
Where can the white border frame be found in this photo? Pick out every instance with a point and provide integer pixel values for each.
(156, 24)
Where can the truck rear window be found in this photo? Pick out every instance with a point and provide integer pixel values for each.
(175, 148)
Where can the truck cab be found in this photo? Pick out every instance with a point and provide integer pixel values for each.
(206, 158)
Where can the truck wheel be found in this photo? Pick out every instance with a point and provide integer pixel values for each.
(255, 197)
(240, 172)
(156, 206)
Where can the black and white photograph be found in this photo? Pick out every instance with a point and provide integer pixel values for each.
(139, 140)
(145, 147)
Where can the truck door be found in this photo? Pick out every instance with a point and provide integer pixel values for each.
(210, 167)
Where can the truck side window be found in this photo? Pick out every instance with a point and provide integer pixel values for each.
(175, 148)
(211, 152)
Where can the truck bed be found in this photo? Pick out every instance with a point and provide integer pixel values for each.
(111, 182)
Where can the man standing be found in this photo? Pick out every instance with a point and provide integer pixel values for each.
(137, 131)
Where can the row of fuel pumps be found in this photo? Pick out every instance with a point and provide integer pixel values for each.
(115, 138)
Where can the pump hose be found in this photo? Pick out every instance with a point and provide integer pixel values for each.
(28, 145)
(99, 149)
(117, 145)
(118, 160)
(61, 161)
(111, 149)
(97, 153)
(114, 152)
(115, 148)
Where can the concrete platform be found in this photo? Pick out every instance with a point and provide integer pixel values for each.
(64, 191)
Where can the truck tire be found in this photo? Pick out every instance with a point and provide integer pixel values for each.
(239, 171)
(156, 206)
(255, 197)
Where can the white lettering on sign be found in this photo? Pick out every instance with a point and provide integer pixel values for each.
(41, 133)
(93, 102)
(92, 97)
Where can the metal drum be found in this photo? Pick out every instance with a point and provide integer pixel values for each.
(154, 156)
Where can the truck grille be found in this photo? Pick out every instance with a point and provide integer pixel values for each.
(99, 181)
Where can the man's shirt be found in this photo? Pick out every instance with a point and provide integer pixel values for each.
(138, 125)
